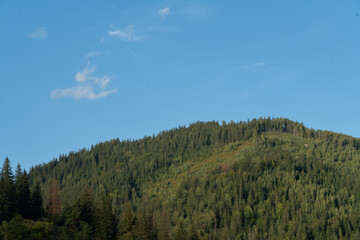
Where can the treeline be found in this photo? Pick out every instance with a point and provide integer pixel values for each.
(123, 166)
(260, 179)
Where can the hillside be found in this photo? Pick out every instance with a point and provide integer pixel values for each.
(258, 179)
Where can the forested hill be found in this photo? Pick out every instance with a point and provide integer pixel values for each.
(260, 179)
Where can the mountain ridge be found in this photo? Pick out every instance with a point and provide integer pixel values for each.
(209, 173)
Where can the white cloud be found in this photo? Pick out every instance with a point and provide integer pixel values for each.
(87, 84)
(164, 12)
(127, 34)
(79, 92)
(84, 75)
(92, 54)
(39, 33)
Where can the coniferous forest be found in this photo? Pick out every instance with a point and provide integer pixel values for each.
(260, 179)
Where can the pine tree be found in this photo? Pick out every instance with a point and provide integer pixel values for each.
(164, 226)
(180, 233)
(193, 235)
(53, 207)
(7, 192)
(23, 199)
(140, 230)
(126, 224)
(106, 221)
(80, 218)
(37, 208)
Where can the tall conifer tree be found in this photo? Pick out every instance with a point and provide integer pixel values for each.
(106, 227)
(180, 233)
(164, 226)
(23, 199)
(7, 192)
(37, 208)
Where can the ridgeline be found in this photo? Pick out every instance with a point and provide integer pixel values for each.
(260, 179)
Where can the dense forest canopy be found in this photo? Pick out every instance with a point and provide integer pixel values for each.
(260, 179)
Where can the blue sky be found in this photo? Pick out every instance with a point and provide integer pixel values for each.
(75, 73)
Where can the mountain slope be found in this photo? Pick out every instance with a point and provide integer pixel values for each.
(265, 178)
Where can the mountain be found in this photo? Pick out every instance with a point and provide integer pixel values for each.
(259, 179)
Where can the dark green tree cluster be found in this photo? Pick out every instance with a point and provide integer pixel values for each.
(15, 195)
(18, 203)
(87, 220)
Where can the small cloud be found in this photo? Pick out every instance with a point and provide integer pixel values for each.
(126, 34)
(164, 12)
(79, 92)
(39, 33)
(87, 84)
(92, 54)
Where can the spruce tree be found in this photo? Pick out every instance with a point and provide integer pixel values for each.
(80, 218)
(193, 235)
(180, 233)
(23, 199)
(164, 226)
(140, 228)
(106, 221)
(126, 224)
(7, 192)
(144, 227)
(37, 209)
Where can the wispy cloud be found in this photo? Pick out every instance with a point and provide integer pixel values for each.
(164, 12)
(39, 33)
(92, 54)
(86, 86)
(126, 34)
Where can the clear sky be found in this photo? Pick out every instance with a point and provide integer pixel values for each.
(75, 73)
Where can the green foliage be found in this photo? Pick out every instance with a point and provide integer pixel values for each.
(7, 192)
(193, 235)
(23, 198)
(180, 233)
(19, 228)
(80, 220)
(106, 221)
(37, 209)
(127, 222)
(144, 227)
(260, 179)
